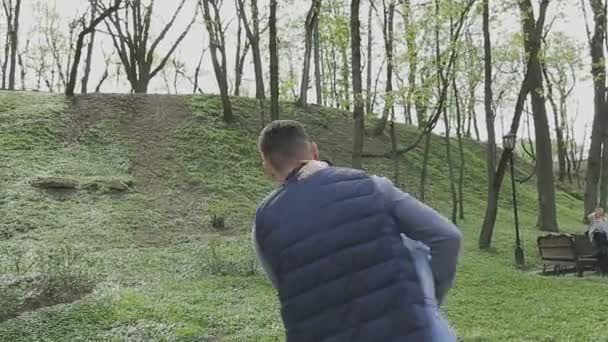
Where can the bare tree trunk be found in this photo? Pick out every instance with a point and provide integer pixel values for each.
(8, 12)
(448, 147)
(368, 67)
(358, 114)
(238, 69)
(22, 65)
(217, 45)
(468, 122)
(388, 46)
(598, 71)
(476, 127)
(274, 62)
(487, 230)
(103, 78)
(166, 80)
(561, 148)
(332, 65)
(461, 151)
(394, 149)
(346, 85)
(412, 59)
(407, 114)
(318, 62)
(425, 163)
(311, 18)
(581, 151)
(177, 71)
(87, 64)
(442, 82)
(197, 73)
(545, 179)
(14, 45)
(375, 91)
(604, 175)
(239, 63)
(569, 161)
(253, 35)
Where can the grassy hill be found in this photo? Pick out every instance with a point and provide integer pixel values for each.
(129, 252)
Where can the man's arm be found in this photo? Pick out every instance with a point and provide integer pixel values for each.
(263, 261)
(419, 222)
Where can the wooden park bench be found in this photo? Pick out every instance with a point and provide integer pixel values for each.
(566, 252)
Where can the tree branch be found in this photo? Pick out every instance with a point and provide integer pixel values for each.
(175, 44)
(163, 33)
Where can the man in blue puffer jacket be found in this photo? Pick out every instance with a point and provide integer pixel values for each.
(348, 252)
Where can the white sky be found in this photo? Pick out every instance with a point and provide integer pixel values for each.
(570, 22)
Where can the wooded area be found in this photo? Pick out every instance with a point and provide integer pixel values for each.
(415, 62)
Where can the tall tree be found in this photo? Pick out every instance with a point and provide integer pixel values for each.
(88, 59)
(239, 59)
(533, 31)
(311, 21)
(11, 12)
(443, 82)
(598, 71)
(358, 114)
(14, 45)
(563, 64)
(387, 29)
(459, 133)
(253, 35)
(106, 12)
(559, 132)
(368, 64)
(411, 31)
(7, 5)
(474, 74)
(217, 45)
(318, 62)
(130, 32)
(527, 85)
(274, 62)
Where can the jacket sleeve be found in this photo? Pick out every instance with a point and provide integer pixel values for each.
(419, 222)
(263, 261)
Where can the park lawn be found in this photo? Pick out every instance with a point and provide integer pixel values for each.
(162, 273)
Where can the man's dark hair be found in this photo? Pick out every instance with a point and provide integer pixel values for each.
(282, 142)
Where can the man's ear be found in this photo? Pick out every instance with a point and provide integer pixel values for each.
(268, 169)
(314, 150)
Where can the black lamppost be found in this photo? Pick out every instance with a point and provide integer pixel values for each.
(508, 142)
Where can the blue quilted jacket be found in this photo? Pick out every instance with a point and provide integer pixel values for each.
(349, 256)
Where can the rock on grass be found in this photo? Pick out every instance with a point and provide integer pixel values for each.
(54, 183)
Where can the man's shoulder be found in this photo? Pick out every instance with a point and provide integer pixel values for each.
(338, 174)
(269, 199)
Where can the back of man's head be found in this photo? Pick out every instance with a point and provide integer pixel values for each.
(283, 143)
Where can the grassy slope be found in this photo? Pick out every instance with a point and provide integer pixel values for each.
(162, 277)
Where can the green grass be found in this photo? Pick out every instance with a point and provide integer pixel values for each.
(163, 274)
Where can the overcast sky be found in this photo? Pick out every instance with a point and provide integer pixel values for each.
(570, 21)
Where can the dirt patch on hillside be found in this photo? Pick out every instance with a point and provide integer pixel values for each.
(150, 122)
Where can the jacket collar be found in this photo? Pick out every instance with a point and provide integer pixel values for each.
(307, 169)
